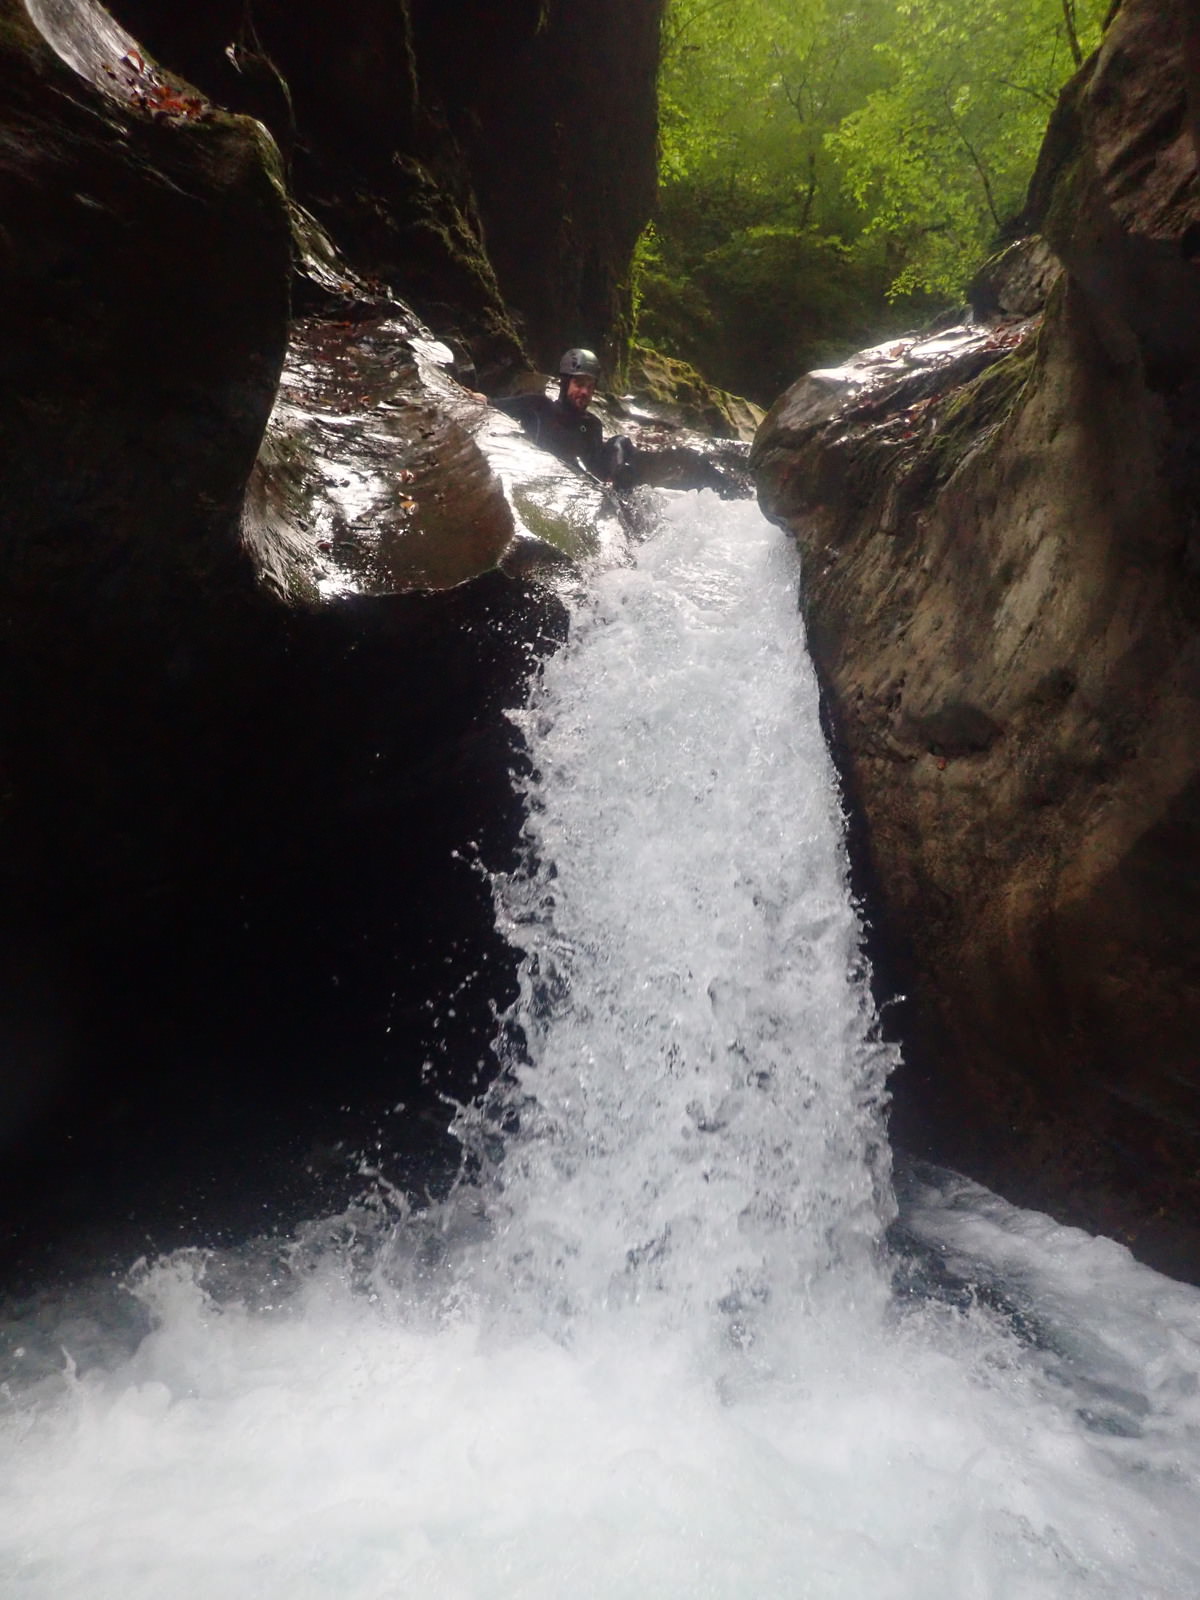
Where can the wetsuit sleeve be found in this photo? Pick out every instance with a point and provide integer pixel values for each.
(592, 452)
(620, 462)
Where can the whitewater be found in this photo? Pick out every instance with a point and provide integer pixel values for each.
(672, 1334)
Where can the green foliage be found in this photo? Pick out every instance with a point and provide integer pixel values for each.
(831, 168)
(747, 272)
(750, 90)
(940, 157)
(763, 304)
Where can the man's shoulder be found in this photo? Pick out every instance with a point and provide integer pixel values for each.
(532, 404)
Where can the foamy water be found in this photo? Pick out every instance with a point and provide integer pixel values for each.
(657, 1346)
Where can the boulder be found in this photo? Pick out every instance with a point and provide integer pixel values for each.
(1002, 595)
(1016, 282)
(674, 392)
(369, 480)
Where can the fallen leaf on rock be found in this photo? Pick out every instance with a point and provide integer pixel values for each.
(162, 100)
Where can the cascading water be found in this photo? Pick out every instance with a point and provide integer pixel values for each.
(692, 1073)
(654, 1343)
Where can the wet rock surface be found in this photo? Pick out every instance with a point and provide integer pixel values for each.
(369, 480)
(270, 586)
(253, 749)
(246, 937)
(129, 427)
(1002, 602)
(671, 455)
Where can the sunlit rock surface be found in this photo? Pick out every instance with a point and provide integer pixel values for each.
(1001, 592)
(369, 481)
(877, 412)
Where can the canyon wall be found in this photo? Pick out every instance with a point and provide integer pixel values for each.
(236, 830)
(493, 164)
(243, 924)
(1002, 591)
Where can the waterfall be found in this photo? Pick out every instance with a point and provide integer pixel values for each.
(659, 1341)
(691, 1063)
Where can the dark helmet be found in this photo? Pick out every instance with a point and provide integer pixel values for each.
(579, 364)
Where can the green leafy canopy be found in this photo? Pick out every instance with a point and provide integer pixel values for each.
(887, 141)
(940, 156)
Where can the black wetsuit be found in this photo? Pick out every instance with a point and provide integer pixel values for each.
(572, 436)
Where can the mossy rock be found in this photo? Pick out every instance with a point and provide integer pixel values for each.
(689, 398)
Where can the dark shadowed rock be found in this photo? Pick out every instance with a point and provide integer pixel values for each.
(144, 254)
(338, 88)
(240, 836)
(144, 258)
(556, 106)
(1001, 593)
(144, 250)
(431, 137)
(1016, 282)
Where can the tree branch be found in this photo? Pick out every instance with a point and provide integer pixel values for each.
(675, 27)
(1042, 96)
(976, 161)
(1069, 18)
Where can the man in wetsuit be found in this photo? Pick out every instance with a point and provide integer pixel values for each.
(564, 427)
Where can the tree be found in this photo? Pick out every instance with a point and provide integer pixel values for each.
(750, 90)
(746, 272)
(833, 167)
(940, 156)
